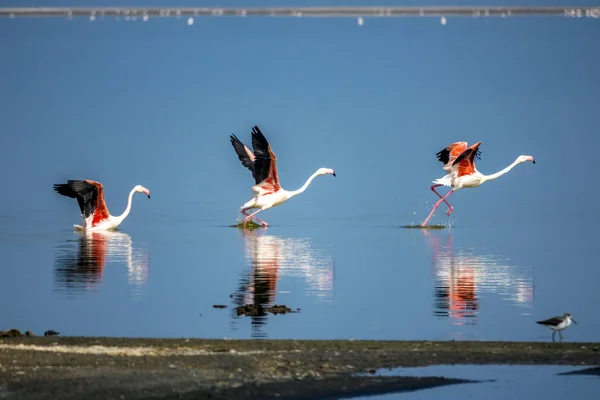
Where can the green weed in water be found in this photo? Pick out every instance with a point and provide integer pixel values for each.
(250, 225)
(424, 227)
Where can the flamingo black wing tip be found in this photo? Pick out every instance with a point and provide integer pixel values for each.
(65, 189)
(258, 133)
(443, 156)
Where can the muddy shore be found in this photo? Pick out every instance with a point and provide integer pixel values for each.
(101, 368)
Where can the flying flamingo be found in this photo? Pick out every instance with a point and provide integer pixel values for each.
(90, 196)
(459, 161)
(263, 165)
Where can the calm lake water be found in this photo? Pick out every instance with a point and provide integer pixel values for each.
(153, 103)
(502, 381)
(363, 278)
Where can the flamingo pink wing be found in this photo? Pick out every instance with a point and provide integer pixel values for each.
(265, 163)
(466, 161)
(101, 211)
(450, 153)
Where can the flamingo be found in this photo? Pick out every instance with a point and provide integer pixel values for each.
(90, 196)
(263, 165)
(459, 161)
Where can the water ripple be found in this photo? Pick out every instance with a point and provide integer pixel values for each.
(462, 276)
(80, 262)
(275, 260)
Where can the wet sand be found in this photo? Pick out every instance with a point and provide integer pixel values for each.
(101, 368)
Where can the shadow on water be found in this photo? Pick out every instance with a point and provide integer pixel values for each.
(273, 259)
(461, 276)
(80, 262)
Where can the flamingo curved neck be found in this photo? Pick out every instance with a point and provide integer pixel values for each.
(500, 173)
(293, 193)
(122, 217)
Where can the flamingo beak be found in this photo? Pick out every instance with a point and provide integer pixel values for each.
(147, 192)
(333, 174)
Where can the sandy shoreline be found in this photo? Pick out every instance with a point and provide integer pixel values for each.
(94, 368)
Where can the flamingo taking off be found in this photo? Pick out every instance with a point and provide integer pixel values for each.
(459, 161)
(263, 165)
(90, 196)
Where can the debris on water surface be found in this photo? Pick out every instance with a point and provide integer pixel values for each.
(279, 309)
(219, 306)
(251, 310)
(256, 310)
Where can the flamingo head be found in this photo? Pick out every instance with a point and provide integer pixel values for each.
(325, 171)
(141, 189)
(523, 159)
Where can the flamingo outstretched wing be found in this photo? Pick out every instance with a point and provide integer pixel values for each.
(265, 164)
(262, 163)
(465, 162)
(244, 154)
(89, 195)
(449, 154)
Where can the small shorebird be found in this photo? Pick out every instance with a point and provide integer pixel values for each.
(557, 324)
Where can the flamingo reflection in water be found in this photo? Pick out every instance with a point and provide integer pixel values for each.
(275, 260)
(81, 268)
(462, 277)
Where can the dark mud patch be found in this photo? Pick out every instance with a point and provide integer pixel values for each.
(586, 371)
(219, 306)
(98, 368)
(256, 310)
(17, 333)
(10, 333)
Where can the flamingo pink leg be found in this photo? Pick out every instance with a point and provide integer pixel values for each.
(248, 217)
(245, 212)
(436, 206)
(450, 208)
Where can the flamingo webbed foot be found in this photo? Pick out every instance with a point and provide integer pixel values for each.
(450, 211)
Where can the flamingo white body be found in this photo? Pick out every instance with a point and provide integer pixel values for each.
(459, 161)
(94, 213)
(262, 163)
